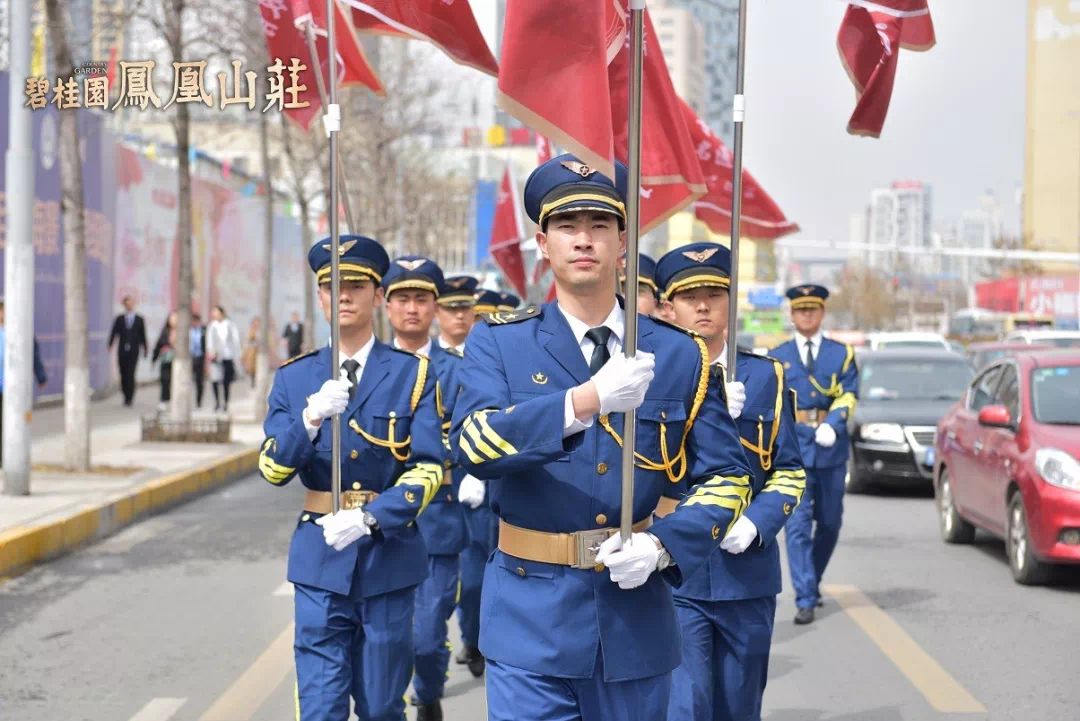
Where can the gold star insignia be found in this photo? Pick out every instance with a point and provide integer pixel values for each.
(410, 496)
(715, 532)
(539, 379)
(700, 256)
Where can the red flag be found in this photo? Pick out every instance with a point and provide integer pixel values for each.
(543, 149)
(507, 232)
(671, 176)
(283, 25)
(870, 37)
(111, 69)
(761, 216)
(563, 93)
(446, 24)
(551, 293)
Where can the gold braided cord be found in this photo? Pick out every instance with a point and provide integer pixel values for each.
(438, 400)
(846, 400)
(418, 387)
(850, 357)
(834, 390)
(392, 445)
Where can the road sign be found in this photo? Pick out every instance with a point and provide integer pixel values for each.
(765, 298)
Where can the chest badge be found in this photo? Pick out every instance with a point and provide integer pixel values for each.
(539, 379)
(787, 509)
(787, 365)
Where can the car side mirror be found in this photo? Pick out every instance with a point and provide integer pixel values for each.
(995, 417)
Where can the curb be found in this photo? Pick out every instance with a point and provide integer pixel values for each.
(24, 546)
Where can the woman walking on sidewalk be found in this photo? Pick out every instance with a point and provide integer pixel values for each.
(223, 349)
(165, 350)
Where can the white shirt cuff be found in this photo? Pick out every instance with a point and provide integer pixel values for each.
(571, 424)
(312, 431)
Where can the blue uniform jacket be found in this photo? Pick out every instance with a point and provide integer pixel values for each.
(394, 405)
(443, 522)
(834, 388)
(508, 428)
(766, 426)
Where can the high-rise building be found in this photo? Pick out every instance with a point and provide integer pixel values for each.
(900, 217)
(682, 40)
(1051, 169)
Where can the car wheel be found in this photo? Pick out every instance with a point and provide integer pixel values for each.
(1026, 568)
(954, 529)
(854, 482)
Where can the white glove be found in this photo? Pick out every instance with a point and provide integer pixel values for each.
(736, 398)
(471, 492)
(741, 535)
(630, 565)
(622, 382)
(344, 527)
(331, 399)
(825, 435)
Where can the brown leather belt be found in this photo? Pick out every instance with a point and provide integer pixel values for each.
(812, 417)
(666, 506)
(577, 550)
(319, 501)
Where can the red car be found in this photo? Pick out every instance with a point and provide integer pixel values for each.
(1006, 461)
(982, 354)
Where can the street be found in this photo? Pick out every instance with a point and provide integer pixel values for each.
(186, 617)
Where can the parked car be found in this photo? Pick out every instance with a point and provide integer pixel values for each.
(1006, 461)
(902, 395)
(1056, 338)
(882, 341)
(982, 354)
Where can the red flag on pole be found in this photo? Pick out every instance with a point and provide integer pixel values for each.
(761, 216)
(283, 25)
(507, 232)
(449, 26)
(543, 149)
(550, 296)
(563, 94)
(671, 176)
(870, 37)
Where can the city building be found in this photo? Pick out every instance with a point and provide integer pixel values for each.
(900, 217)
(1051, 220)
(682, 40)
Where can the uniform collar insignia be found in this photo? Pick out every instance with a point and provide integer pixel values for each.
(343, 248)
(410, 264)
(580, 168)
(700, 256)
(539, 379)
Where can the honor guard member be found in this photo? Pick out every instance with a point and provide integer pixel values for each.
(413, 286)
(576, 626)
(726, 609)
(508, 301)
(825, 379)
(648, 294)
(455, 311)
(355, 573)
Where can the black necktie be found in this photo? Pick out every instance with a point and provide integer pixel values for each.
(809, 357)
(600, 354)
(350, 367)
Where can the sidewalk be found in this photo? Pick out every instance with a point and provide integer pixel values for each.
(128, 480)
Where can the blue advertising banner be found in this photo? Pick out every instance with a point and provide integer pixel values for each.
(483, 216)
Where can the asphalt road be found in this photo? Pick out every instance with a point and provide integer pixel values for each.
(185, 617)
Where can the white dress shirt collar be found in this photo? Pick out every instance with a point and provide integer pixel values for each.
(816, 339)
(424, 351)
(616, 321)
(722, 359)
(361, 356)
(444, 344)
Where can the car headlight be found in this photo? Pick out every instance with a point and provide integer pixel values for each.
(883, 433)
(1058, 468)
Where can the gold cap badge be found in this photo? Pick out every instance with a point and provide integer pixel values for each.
(700, 256)
(410, 264)
(580, 168)
(343, 248)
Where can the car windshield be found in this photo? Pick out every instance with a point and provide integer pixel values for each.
(912, 344)
(1056, 395)
(1061, 341)
(914, 380)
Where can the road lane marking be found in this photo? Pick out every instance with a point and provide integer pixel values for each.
(241, 700)
(159, 709)
(940, 689)
(285, 589)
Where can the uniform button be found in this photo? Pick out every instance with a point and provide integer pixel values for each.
(449, 496)
(813, 394)
(521, 571)
(393, 414)
(447, 464)
(305, 517)
(356, 486)
(354, 455)
(603, 418)
(663, 415)
(601, 519)
(598, 567)
(601, 468)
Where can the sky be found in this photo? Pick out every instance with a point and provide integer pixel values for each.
(956, 120)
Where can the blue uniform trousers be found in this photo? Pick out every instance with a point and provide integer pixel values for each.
(809, 548)
(514, 694)
(725, 659)
(353, 646)
(483, 537)
(435, 599)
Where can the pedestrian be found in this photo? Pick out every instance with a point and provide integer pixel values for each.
(648, 296)
(223, 350)
(129, 333)
(355, 573)
(165, 351)
(39, 375)
(294, 337)
(726, 610)
(197, 341)
(412, 286)
(825, 379)
(575, 624)
(251, 349)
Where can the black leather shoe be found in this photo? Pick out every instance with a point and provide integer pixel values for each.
(821, 603)
(475, 661)
(429, 712)
(463, 656)
(804, 616)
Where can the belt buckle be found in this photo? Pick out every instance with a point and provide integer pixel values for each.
(352, 499)
(588, 546)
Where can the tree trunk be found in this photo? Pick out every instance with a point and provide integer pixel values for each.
(76, 329)
(181, 371)
(262, 357)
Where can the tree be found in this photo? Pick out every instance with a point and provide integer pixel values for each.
(76, 329)
(866, 297)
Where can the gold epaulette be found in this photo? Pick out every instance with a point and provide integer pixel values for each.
(299, 357)
(503, 317)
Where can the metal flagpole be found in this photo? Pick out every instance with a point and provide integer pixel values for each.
(633, 198)
(333, 123)
(738, 111)
(309, 32)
